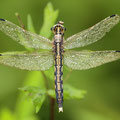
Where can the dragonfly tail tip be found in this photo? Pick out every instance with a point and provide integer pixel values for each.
(60, 109)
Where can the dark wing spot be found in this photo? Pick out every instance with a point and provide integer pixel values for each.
(2, 19)
(0, 54)
(112, 16)
(117, 51)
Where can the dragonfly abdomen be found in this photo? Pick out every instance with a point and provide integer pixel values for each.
(58, 75)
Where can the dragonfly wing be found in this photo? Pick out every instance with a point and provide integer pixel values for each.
(88, 59)
(28, 61)
(92, 34)
(26, 38)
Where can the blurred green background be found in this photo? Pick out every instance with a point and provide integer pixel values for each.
(102, 84)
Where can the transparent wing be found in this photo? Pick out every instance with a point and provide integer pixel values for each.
(28, 61)
(89, 59)
(92, 34)
(28, 39)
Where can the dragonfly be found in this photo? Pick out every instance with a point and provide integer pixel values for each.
(58, 52)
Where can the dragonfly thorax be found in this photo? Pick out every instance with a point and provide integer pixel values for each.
(58, 38)
(58, 28)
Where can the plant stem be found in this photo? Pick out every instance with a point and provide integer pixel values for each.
(45, 78)
(20, 20)
(52, 105)
(52, 100)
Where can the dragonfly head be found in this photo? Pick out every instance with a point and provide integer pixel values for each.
(58, 28)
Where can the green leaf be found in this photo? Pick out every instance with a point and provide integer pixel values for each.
(51, 92)
(73, 93)
(25, 108)
(36, 95)
(30, 26)
(50, 74)
(69, 92)
(35, 78)
(50, 16)
(38, 102)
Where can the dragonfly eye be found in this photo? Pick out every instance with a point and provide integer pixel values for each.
(62, 29)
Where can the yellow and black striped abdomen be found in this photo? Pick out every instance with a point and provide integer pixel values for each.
(58, 75)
